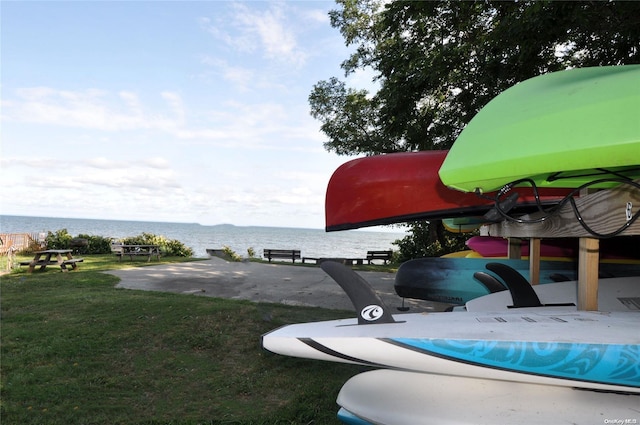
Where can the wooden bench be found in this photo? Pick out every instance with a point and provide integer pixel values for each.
(289, 254)
(379, 255)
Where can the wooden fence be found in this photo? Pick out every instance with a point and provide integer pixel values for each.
(15, 242)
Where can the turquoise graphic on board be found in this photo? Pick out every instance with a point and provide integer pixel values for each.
(601, 363)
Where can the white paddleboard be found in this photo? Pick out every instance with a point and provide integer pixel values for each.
(614, 294)
(399, 398)
(549, 345)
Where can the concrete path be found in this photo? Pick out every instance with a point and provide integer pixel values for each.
(260, 282)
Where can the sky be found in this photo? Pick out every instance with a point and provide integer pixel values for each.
(171, 111)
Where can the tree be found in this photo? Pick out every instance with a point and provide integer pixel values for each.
(438, 63)
(429, 239)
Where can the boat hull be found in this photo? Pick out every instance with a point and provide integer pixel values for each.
(400, 187)
(615, 294)
(559, 129)
(452, 281)
(553, 346)
(620, 248)
(399, 398)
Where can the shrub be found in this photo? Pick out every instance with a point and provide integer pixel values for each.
(231, 254)
(96, 245)
(58, 240)
(168, 247)
(102, 245)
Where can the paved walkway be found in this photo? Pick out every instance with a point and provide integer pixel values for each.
(260, 282)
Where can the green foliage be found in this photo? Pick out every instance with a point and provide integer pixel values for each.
(95, 245)
(61, 239)
(58, 240)
(251, 252)
(429, 240)
(349, 119)
(76, 350)
(438, 63)
(169, 247)
(231, 254)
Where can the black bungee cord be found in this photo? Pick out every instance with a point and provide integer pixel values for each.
(569, 198)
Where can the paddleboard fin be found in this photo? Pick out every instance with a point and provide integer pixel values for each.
(492, 284)
(370, 307)
(522, 293)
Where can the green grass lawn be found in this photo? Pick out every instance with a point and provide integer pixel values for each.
(75, 350)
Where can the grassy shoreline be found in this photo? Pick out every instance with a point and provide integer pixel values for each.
(76, 350)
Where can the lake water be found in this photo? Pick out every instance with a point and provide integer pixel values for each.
(311, 242)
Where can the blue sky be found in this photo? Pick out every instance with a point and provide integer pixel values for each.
(180, 111)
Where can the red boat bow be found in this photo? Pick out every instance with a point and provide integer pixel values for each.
(402, 187)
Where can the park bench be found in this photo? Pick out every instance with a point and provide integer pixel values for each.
(379, 255)
(289, 254)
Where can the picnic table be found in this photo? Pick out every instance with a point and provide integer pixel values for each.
(52, 257)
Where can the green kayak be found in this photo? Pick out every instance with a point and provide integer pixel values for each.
(562, 129)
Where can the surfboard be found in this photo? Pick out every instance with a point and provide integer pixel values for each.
(349, 418)
(560, 129)
(400, 187)
(614, 294)
(552, 346)
(404, 398)
(454, 281)
(542, 345)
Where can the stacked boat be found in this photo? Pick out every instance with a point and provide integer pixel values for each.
(510, 352)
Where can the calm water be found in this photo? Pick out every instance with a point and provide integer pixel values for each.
(312, 242)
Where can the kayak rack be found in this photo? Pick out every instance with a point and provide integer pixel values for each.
(604, 210)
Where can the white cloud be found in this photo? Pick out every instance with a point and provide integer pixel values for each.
(156, 162)
(242, 78)
(103, 163)
(317, 16)
(270, 31)
(149, 135)
(231, 123)
(132, 101)
(90, 109)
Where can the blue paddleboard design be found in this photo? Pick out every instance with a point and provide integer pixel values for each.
(350, 419)
(614, 364)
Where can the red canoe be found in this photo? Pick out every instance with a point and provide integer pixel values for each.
(401, 187)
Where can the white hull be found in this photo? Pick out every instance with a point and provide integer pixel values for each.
(538, 345)
(393, 397)
(614, 294)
